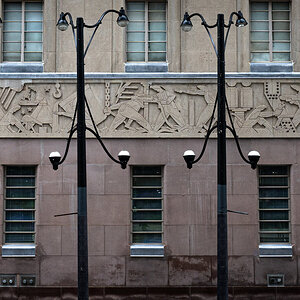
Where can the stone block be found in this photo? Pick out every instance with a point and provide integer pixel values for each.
(107, 270)
(176, 239)
(69, 179)
(240, 271)
(15, 265)
(242, 203)
(48, 240)
(18, 151)
(109, 210)
(245, 240)
(49, 181)
(191, 270)
(203, 239)
(58, 271)
(69, 238)
(117, 180)
(95, 179)
(203, 180)
(170, 293)
(176, 180)
(255, 293)
(202, 209)
(134, 293)
(177, 210)
(244, 180)
(51, 205)
(146, 272)
(117, 240)
(96, 242)
(286, 266)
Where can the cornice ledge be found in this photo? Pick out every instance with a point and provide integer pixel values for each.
(229, 75)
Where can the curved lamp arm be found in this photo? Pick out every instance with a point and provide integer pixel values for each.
(121, 14)
(205, 143)
(189, 155)
(123, 155)
(240, 22)
(68, 145)
(102, 144)
(55, 157)
(238, 144)
(187, 25)
(63, 24)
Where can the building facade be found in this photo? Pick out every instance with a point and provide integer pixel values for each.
(151, 88)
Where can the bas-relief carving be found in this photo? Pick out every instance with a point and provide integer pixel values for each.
(150, 109)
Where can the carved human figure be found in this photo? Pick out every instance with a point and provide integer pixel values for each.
(127, 112)
(255, 117)
(168, 108)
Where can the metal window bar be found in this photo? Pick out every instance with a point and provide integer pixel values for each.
(23, 32)
(18, 235)
(271, 31)
(279, 228)
(147, 233)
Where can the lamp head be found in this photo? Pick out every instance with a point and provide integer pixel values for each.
(122, 18)
(253, 157)
(189, 157)
(62, 23)
(241, 21)
(123, 158)
(186, 24)
(55, 159)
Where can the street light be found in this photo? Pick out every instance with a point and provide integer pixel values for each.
(55, 157)
(189, 155)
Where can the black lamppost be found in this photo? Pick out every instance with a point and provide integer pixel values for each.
(55, 158)
(189, 155)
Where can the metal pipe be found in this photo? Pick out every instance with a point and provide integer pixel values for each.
(222, 248)
(83, 286)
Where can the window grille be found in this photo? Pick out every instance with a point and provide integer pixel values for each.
(147, 204)
(274, 204)
(146, 31)
(19, 211)
(22, 31)
(270, 31)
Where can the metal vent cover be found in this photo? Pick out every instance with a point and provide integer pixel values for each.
(27, 280)
(8, 280)
(275, 280)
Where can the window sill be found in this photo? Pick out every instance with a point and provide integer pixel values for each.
(146, 67)
(271, 67)
(15, 250)
(18, 67)
(147, 250)
(275, 250)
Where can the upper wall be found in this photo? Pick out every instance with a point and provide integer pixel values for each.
(186, 51)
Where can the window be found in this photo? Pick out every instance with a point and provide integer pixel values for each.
(146, 31)
(22, 31)
(274, 211)
(19, 209)
(270, 32)
(147, 204)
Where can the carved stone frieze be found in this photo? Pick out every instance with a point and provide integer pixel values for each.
(144, 108)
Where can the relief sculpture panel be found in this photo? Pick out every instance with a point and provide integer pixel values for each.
(145, 108)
